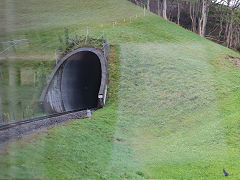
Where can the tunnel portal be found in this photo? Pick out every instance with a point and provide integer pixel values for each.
(79, 81)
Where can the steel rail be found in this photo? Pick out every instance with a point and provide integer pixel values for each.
(30, 120)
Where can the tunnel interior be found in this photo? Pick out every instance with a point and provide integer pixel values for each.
(80, 81)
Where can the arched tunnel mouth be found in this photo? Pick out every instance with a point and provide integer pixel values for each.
(80, 81)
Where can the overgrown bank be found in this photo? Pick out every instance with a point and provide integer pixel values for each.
(172, 113)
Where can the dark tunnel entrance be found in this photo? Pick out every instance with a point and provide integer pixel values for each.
(81, 80)
(78, 81)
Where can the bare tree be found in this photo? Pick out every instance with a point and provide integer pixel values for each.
(165, 9)
(194, 13)
(179, 11)
(221, 13)
(234, 5)
(203, 18)
(159, 8)
(148, 5)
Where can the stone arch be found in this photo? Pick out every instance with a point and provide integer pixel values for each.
(57, 97)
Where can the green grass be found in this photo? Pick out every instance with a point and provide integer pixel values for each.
(172, 110)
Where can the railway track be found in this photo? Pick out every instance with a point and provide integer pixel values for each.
(16, 129)
(5, 126)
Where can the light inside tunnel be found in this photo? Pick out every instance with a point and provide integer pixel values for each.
(80, 81)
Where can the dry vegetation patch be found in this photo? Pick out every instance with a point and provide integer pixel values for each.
(235, 60)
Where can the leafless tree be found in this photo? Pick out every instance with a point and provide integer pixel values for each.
(229, 30)
(203, 18)
(179, 11)
(165, 9)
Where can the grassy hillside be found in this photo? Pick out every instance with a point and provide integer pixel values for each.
(172, 112)
(42, 21)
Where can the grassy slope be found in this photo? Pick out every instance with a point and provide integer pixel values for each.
(172, 112)
(42, 21)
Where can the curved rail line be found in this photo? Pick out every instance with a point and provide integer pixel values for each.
(18, 129)
(30, 120)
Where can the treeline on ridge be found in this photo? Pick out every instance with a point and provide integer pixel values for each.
(217, 20)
